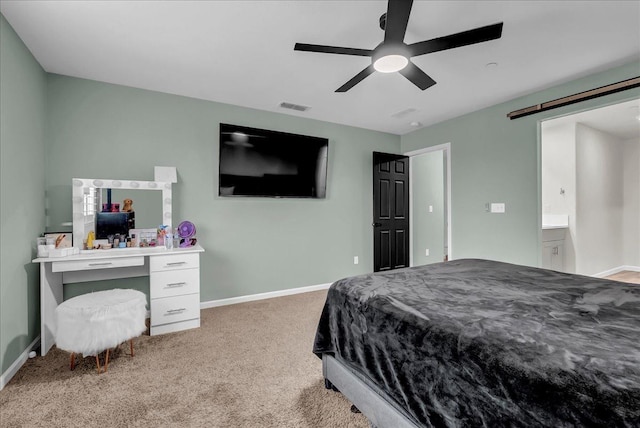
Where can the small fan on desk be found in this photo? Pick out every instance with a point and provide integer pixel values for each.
(187, 231)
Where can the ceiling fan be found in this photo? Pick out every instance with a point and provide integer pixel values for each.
(394, 55)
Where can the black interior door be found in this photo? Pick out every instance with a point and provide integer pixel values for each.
(390, 211)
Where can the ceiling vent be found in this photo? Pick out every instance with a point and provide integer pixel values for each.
(403, 113)
(296, 107)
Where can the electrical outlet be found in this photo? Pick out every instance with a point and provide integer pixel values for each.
(426, 252)
(430, 208)
(355, 260)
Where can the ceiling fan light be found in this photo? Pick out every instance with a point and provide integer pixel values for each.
(390, 63)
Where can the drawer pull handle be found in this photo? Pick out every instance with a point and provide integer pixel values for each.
(175, 311)
(176, 284)
(176, 263)
(100, 264)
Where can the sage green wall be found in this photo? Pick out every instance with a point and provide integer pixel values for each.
(494, 159)
(427, 181)
(22, 165)
(253, 245)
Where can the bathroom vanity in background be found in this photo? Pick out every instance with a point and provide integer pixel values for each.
(554, 230)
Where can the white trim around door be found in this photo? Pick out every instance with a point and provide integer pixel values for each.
(446, 147)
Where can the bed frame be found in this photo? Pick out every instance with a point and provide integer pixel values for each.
(372, 401)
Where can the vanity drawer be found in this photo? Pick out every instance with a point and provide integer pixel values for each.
(74, 265)
(174, 309)
(174, 261)
(174, 282)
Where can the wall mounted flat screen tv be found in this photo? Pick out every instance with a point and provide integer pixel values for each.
(258, 162)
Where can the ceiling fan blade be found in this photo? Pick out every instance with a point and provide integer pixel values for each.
(356, 79)
(417, 76)
(397, 19)
(470, 37)
(332, 49)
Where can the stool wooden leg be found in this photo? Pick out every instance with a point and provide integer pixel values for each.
(98, 363)
(72, 362)
(131, 345)
(106, 361)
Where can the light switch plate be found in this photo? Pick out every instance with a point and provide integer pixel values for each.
(498, 207)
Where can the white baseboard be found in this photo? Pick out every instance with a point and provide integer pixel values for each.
(13, 369)
(261, 296)
(616, 270)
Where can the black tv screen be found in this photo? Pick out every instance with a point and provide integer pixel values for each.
(258, 162)
(114, 223)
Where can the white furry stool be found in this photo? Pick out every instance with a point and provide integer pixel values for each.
(91, 323)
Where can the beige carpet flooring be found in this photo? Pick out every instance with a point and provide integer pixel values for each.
(249, 365)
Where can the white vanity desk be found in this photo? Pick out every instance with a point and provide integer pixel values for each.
(174, 287)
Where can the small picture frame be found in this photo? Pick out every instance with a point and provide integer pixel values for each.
(60, 239)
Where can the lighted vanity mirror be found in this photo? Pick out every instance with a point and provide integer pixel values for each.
(151, 203)
(146, 206)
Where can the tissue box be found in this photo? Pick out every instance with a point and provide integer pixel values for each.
(61, 252)
(43, 250)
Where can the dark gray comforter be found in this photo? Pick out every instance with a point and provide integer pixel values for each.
(473, 343)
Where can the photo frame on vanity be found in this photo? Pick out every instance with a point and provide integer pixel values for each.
(60, 239)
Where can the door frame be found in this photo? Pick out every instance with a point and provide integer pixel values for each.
(446, 147)
(539, 132)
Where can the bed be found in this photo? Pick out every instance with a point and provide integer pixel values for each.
(473, 343)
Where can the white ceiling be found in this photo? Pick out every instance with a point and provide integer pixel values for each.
(241, 52)
(621, 120)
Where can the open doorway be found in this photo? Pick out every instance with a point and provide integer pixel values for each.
(430, 204)
(590, 191)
